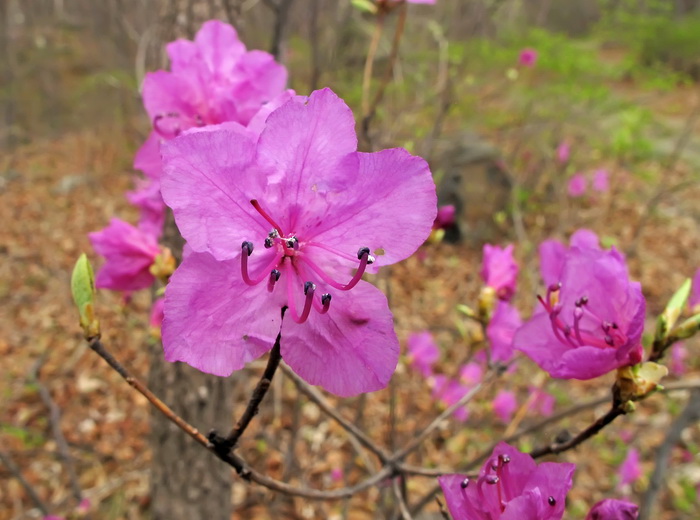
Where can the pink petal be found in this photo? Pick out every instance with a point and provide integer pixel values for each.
(147, 157)
(207, 183)
(350, 350)
(389, 205)
(219, 46)
(213, 320)
(259, 79)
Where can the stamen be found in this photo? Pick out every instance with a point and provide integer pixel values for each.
(247, 248)
(163, 132)
(578, 314)
(267, 217)
(274, 277)
(269, 242)
(326, 302)
(552, 501)
(464, 484)
(551, 291)
(309, 290)
(365, 258)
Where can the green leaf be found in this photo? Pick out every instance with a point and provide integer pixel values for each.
(366, 6)
(673, 310)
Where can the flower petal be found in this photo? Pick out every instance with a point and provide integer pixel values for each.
(349, 350)
(147, 157)
(208, 184)
(219, 46)
(388, 205)
(215, 322)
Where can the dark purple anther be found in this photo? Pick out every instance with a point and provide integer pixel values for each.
(269, 242)
(464, 484)
(492, 479)
(247, 247)
(552, 501)
(274, 277)
(309, 286)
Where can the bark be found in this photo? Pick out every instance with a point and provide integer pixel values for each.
(187, 483)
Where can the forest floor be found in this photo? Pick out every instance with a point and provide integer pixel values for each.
(54, 190)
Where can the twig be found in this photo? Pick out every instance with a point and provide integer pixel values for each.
(55, 420)
(688, 416)
(14, 469)
(316, 396)
(258, 395)
(400, 500)
(443, 512)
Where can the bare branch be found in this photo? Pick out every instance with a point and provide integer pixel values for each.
(14, 469)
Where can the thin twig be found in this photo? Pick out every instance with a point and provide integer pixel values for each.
(400, 500)
(14, 469)
(258, 395)
(316, 397)
(55, 420)
(688, 416)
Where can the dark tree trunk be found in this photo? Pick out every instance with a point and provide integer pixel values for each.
(187, 482)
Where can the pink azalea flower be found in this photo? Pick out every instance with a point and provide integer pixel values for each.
(213, 79)
(577, 185)
(563, 152)
(679, 356)
(423, 352)
(283, 221)
(156, 319)
(601, 182)
(500, 331)
(445, 217)
(630, 470)
(499, 270)
(542, 402)
(129, 253)
(510, 486)
(504, 405)
(471, 373)
(593, 322)
(527, 57)
(147, 198)
(84, 506)
(694, 299)
(553, 253)
(612, 509)
(448, 392)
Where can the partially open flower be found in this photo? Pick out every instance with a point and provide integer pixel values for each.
(612, 509)
(499, 270)
(510, 486)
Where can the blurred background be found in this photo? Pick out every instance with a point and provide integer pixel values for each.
(516, 147)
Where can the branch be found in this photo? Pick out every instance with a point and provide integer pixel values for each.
(14, 469)
(55, 421)
(403, 507)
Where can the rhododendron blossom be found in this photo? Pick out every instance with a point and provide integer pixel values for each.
(601, 182)
(563, 152)
(612, 509)
(504, 405)
(593, 319)
(422, 352)
(501, 330)
(147, 198)
(282, 221)
(447, 391)
(129, 253)
(499, 270)
(510, 486)
(527, 57)
(553, 253)
(577, 185)
(630, 469)
(213, 79)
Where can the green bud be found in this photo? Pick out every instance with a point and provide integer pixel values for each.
(688, 328)
(364, 5)
(82, 286)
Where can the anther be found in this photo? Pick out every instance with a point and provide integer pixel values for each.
(326, 302)
(362, 252)
(583, 300)
(609, 340)
(269, 242)
(309, 286)
(292, 243)
(505, 459)
(274, 277)
(247, 247)
(552, 501)
(464, 484)
(492, 479)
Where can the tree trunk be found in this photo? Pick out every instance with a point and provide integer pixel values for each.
(187, 482)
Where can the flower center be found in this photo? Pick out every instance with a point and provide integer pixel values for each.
(505, 489)
(605, 334)
(290, 259)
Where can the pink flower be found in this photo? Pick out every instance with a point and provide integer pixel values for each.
(563, 152)
(577, 185)
(147, 198)
(593, 321)
(129, 253)
(601, 182)
(423, 352)
(504, 405)
(283, 221)
(448, 392)
(542, 402)
(612, 509)
(471, 373)
(445, 217)
(694, 299)
(679, 356)
(510, 486)
(337, 474)
(500, 331)
(553, 253)
(213, 79)
(499, 270)
(528, 57)
(156, 319)
(630, 470)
